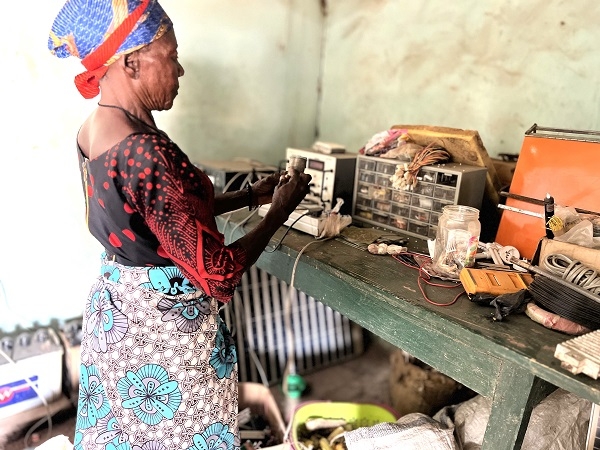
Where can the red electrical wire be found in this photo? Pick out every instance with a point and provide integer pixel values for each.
(408, 259)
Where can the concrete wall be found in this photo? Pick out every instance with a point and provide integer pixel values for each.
(494, 66)
(252, 88)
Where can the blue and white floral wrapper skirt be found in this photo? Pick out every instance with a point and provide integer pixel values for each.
(158, 365)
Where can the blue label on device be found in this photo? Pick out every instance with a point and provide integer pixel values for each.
(17, 391)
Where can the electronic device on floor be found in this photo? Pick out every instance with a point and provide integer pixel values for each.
(33, 373)
(332, 178)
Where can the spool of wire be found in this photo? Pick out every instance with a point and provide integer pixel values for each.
(568, 288)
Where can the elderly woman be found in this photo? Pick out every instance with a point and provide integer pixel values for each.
(158, 366)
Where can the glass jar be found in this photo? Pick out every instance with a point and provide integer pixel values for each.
(456, 240)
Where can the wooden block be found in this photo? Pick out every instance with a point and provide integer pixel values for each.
(589, 257)
(465, 146)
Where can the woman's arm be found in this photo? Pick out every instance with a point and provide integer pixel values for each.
(230, 201)
(288, 194)
(177, 204)
(259, 193)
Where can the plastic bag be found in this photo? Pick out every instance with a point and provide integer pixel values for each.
(510, 303)
(576, 228)
(334, 222)
(580, 234)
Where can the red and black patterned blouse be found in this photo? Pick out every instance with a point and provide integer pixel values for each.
(148, 205)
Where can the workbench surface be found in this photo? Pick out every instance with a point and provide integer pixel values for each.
(511, 362)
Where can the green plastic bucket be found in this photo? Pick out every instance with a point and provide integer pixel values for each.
(357, 414)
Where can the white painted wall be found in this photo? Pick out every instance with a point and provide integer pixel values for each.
(493, 66)
(251, 89)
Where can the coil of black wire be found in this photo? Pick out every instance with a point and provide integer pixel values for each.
(560, 298)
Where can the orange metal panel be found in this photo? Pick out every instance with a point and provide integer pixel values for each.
(564, 164)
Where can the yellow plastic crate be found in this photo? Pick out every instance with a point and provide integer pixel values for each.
(357, 414)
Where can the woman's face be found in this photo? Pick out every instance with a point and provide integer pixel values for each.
(159, 72)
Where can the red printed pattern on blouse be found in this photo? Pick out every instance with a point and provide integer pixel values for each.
(176, 201)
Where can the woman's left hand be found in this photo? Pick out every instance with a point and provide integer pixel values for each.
(262, 190)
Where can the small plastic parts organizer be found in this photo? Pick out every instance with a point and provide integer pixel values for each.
(416, 211)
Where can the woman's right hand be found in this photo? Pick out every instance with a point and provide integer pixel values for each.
(290, 191)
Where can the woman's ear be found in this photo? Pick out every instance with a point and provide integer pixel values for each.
(132, 65)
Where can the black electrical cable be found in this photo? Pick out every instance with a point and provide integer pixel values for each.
(286, 232)
(554, 293)
(564, 301)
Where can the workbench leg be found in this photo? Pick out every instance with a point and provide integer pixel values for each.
(517, 393)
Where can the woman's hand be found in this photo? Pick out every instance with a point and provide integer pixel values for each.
(290, 191)
(262, 190)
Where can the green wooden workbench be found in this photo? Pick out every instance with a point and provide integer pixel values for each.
(511, 362)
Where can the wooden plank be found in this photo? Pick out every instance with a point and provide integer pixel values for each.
(517, 393)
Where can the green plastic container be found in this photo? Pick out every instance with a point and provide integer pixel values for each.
(357, 414)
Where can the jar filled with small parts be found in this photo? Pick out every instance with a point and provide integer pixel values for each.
(456, 240)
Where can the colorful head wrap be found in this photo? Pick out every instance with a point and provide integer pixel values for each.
(99, 31)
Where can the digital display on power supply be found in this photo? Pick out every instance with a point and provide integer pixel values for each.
(317, 165)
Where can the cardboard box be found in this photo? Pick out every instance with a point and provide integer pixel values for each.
(588, 256)
(505, 170)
